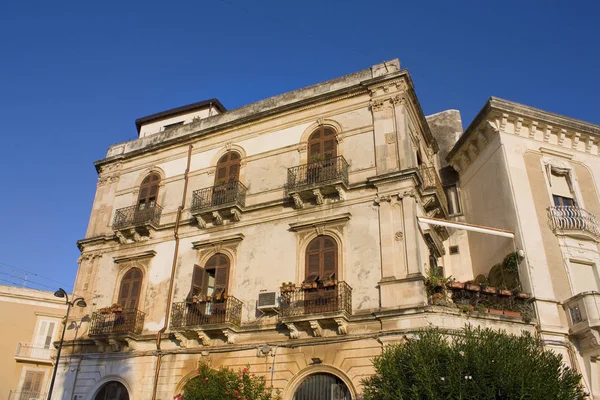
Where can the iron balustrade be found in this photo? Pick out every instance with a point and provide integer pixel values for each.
(482, 300)
(188, 314)
(318, 173)
(126, 321)
(570, 218)
(224, 195)
(25, 350)
(26, 395)
(431, 181)
(133, 216)
(332, 299)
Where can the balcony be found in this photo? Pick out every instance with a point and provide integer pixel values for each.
(583, 312)
(573, 221)
(128, 321)
(28, 352)
(433, 191)
(26, 395)
(317, 180)
(132, 224)
(319, 306)
(216, 203)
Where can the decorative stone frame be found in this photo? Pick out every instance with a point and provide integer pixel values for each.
(226, 245)
(124, 264)
(303, 145)
(334, 227)
(559, 167)
(294, 383)
(135, 190)
(221, 152)
(91, 395)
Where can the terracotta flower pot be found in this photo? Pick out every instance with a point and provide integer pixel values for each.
(456, 285)
(473, 287)
(489, 289)
(523, 295)
(512, 313)
(493, 311)
(505, 292)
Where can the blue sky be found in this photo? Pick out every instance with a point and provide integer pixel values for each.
(75, 75)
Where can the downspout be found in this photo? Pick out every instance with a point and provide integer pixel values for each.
(172, 280)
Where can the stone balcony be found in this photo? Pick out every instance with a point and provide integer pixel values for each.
(436, 203)
(316, 181)
(317, 305)
(583, 311)
(573, 221)
(30, 353)
(201, 319)
(216, 203)
(134, 224)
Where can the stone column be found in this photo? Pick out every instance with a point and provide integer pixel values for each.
(384, 129)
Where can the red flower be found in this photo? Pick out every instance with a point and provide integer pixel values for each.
(245, 369)
(235, 392)
(206, 378)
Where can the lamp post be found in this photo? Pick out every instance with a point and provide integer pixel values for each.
(79, 302)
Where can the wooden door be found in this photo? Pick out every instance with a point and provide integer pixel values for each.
(321, 266)
(129, 293)
(322, 145)
(148, 192)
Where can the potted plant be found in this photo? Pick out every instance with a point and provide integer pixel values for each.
(489, 289)
(116, 308)
(309, 285)
(288, 287)
(455, 285)
(329, 283)
(104, 310)
(474, 287)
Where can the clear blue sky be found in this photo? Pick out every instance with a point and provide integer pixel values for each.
(74, 75)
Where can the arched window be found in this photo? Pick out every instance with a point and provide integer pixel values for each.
(148, 191)
(322, 144)
(129, 293)
(321, 259)
(112, 391)
(322, 386)
(212, 280)
(228, 168)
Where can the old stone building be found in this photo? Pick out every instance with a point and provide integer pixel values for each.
(300, 234)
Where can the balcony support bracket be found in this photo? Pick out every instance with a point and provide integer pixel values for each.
(121, 238)
(316, 328)
(319, 198)
(230, 336)
(218, 218)
(200, 221)
(236, 215)
(294, 333)
(342, 326)
(298, 203)
(183, 341)
(203, 338)
(341, 192)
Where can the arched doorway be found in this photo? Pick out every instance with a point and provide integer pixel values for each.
(112, 391)
(322, 386)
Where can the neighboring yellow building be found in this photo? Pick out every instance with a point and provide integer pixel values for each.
(31, 320)
(300, 234)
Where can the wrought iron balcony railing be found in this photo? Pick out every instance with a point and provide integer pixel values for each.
(299, 302)
(315, 174)
(126, 321)
(219, 196)
(25, 350)
(569, 218)
(431, 181)
(133, 216)
(206, 313)
(26, 395)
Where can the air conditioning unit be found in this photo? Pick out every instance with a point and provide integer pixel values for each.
(268, 301)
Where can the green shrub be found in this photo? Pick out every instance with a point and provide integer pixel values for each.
(478, 364)
(224, 383)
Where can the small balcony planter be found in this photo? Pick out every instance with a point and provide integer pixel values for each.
(489, 289)
(455, 285)
(523, 295)
(288, 287)
(504, 292)
(330, 283)
(309, 285)
(494, 311)
(105, 310)
(473, 287)
(116, 308)
(509, 313)
(206, 298)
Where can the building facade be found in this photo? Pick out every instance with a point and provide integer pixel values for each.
(298, 236)
(26, 350)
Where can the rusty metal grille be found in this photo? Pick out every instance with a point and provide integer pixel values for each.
(203, 313)
(318, 173)
(299, 302)
(127, 321)
(573, 218)
(227, 194)
(132, 216)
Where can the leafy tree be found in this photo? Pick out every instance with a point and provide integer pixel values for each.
(225, 384)
(477, 364)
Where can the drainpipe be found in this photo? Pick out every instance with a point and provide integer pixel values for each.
(172, 279)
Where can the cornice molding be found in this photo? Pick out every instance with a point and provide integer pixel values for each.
(134, 256)
(325, 221)
(223, 240)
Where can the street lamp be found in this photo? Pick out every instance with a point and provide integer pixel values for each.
(79, 302)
